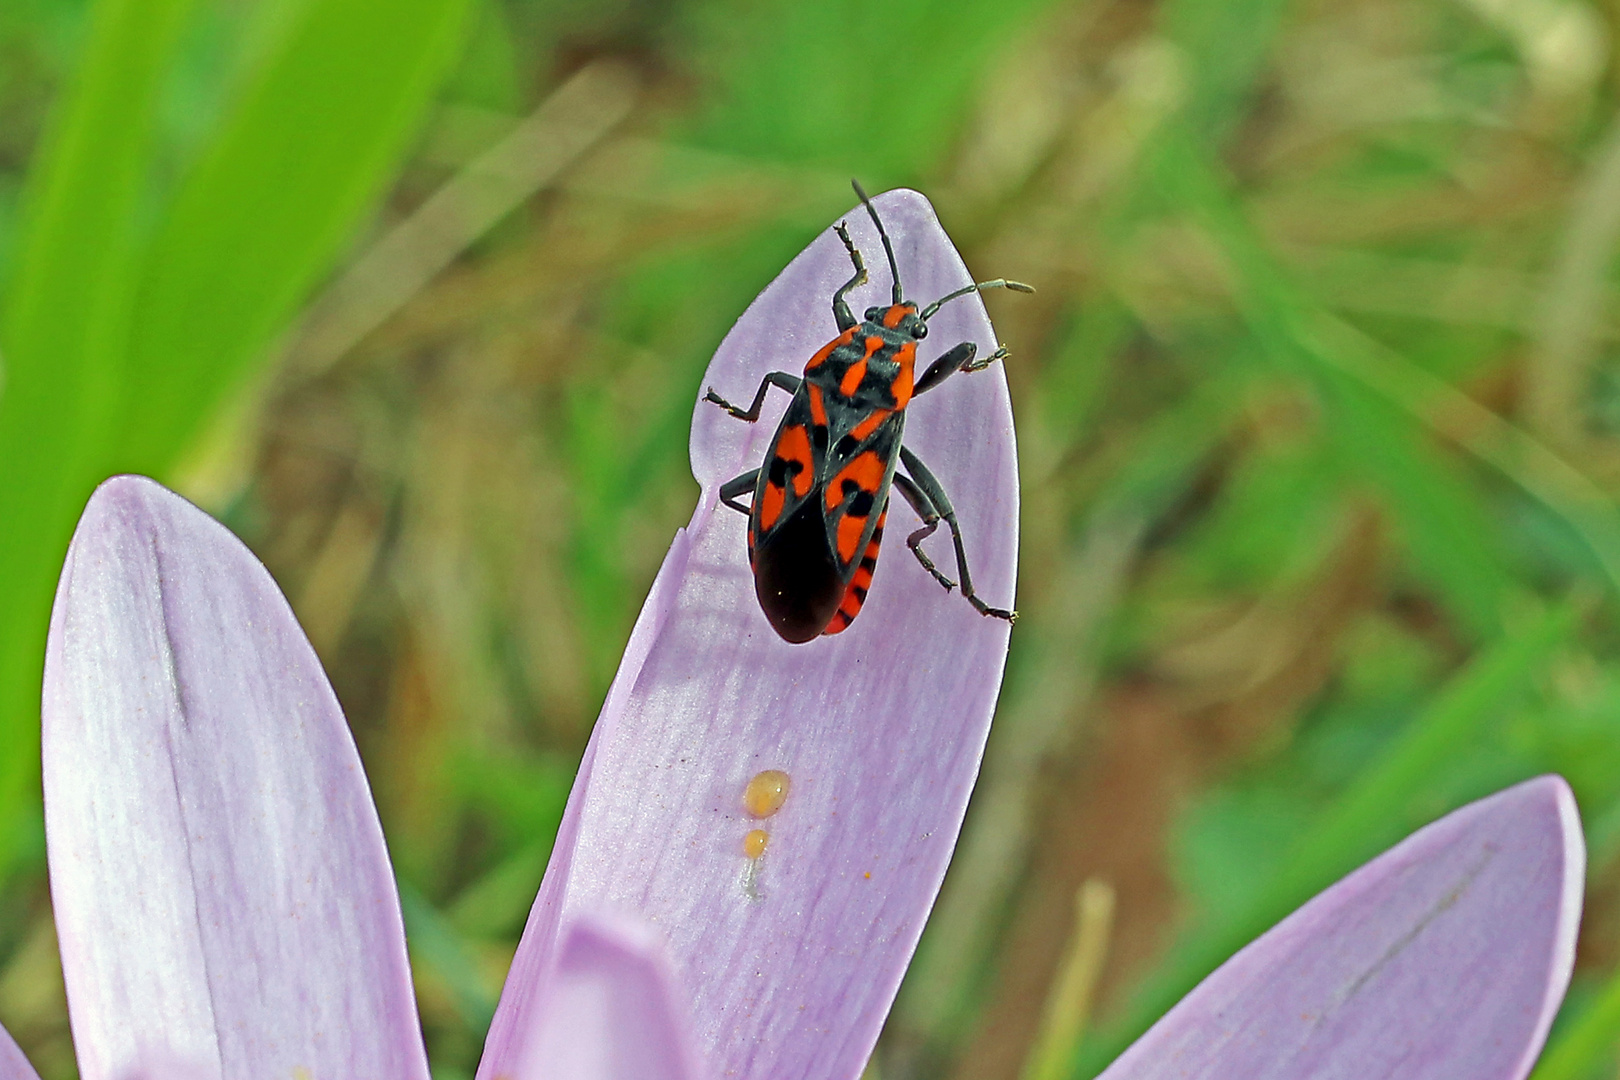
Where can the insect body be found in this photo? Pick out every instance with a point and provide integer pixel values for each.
(822, 496)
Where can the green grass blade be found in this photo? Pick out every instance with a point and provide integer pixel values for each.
(63, 323)
(895, 116)
(1227, 45)
(437, 947)
(308, 148)
(1442, 517)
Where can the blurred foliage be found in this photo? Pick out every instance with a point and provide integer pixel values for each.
(1316, 401)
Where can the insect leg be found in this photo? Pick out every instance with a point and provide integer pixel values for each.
(736, 486)
(924, 506)
(958, 358)
(840, 305)
(942, 505)
(790, 383)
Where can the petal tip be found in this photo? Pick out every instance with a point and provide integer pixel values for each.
(129, 504)
(611, 1010)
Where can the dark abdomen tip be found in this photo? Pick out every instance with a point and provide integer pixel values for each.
(796, 577)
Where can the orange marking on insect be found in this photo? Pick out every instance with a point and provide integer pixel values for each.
(906, 356)
(818, 407)
(794, 446)
(866, 471)
(855, 595)
(770, 506)
(864, 429)
(827, 350)
(852, 378)
(850, 529)
(892, 317)
(840, 623)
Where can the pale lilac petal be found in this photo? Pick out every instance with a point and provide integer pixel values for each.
(223, 897)
(1445, 957)
(881, 728)
(13, 1064)
(611, 1010)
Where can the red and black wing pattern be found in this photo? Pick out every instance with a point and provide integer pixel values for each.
(816, 519)
(789, 476)
(855, 595)
(856, 503)
(796, 578)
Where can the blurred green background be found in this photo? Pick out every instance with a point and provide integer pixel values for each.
(1319, 421)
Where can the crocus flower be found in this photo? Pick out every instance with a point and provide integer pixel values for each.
(225, 903)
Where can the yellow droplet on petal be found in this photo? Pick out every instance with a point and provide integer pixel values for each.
(766, 793)
(754, 843)
(301, 1073)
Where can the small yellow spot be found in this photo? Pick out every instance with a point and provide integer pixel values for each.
(766, 793)
(754, 843)
(869, 875)
(301, 1073)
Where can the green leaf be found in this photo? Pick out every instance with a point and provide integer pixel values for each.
(63, 324)
(119, 341)
(309, 147)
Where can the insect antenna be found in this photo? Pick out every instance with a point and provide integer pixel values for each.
(888, 249)
(978, 286)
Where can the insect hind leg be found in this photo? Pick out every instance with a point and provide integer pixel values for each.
(740, 485)
(924, 506)
(787, 382)
(930, 487)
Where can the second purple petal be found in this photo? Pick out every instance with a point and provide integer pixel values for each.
(790, 961)
(1445, 958)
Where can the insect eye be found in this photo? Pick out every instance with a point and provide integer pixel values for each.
(872, 313)
(920, 331)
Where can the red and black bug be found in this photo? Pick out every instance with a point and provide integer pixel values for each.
(821, 498)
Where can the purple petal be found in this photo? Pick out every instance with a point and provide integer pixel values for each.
(223, 897)
(611, 1011)
(1444, 957)
(13, 1065)
(881, 728)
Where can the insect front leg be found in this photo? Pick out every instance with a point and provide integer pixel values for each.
(790, 383)
(841, 305)
(930, 487)
(957, 358)
(740, 485)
